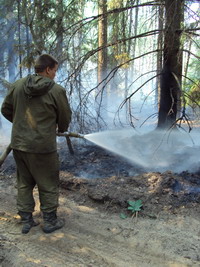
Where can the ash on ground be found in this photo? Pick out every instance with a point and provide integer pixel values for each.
(108, 179)
(95, 176)
(90, 161)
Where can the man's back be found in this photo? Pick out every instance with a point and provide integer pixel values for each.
(36, 105)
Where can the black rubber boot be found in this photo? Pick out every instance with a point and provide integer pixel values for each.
(27, 221)
(51, 222)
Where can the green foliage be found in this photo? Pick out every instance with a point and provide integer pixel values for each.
(122, 59)
(193, 74)
(194, 95)
(135, 206)
(191, 85)
(69, 31)
(123, 216)
(112, 4)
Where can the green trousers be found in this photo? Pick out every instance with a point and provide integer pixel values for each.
(41, 170)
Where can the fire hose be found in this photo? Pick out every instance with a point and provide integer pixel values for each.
(67, 135)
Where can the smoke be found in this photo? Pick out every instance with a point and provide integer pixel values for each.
(154, 151)
(5, 133)
(5, 130)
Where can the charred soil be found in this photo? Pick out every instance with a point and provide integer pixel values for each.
(95, 187)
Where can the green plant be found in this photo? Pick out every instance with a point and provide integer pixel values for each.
(123, 216)
(135, 206)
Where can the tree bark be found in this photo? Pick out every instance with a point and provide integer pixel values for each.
(159, 54)
(19, 39)
(172, 65)
(10, 43)
(102, 54)
(59, 32)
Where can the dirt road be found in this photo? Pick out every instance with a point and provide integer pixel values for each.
(95, 235)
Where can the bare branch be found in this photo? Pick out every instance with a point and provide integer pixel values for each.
(129, 97)
(94, 51)
(113, 11)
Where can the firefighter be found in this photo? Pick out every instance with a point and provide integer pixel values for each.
(38, 108)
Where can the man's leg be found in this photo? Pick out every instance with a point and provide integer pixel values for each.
(25, 185)
(45, 170)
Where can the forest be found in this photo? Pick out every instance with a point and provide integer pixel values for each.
(123, 62)
(131, 69)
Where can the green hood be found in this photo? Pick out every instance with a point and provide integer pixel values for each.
(37, 85)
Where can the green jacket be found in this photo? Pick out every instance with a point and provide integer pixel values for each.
(37, 107)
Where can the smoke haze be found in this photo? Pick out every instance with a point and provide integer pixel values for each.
(5, 130)
(152, 150)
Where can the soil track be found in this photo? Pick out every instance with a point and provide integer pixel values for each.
(165, 233)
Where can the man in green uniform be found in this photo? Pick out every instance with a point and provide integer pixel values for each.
(37, 108)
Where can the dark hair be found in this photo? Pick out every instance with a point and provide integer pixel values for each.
(44, 61)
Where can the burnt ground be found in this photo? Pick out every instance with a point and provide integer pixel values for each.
(96, 186)
(108, 179)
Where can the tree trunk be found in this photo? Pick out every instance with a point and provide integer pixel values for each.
(128, 51)
(28, 42)
(10, 47)
(102, 55)
(172, 65)
(37, 31)
(59, 32)
(159, 55)
(2, 63)
(19, 39)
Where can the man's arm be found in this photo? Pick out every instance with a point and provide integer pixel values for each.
(7, 106)
(63, 112)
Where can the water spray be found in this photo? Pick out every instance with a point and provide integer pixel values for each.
(154, 150)
(67, 135)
